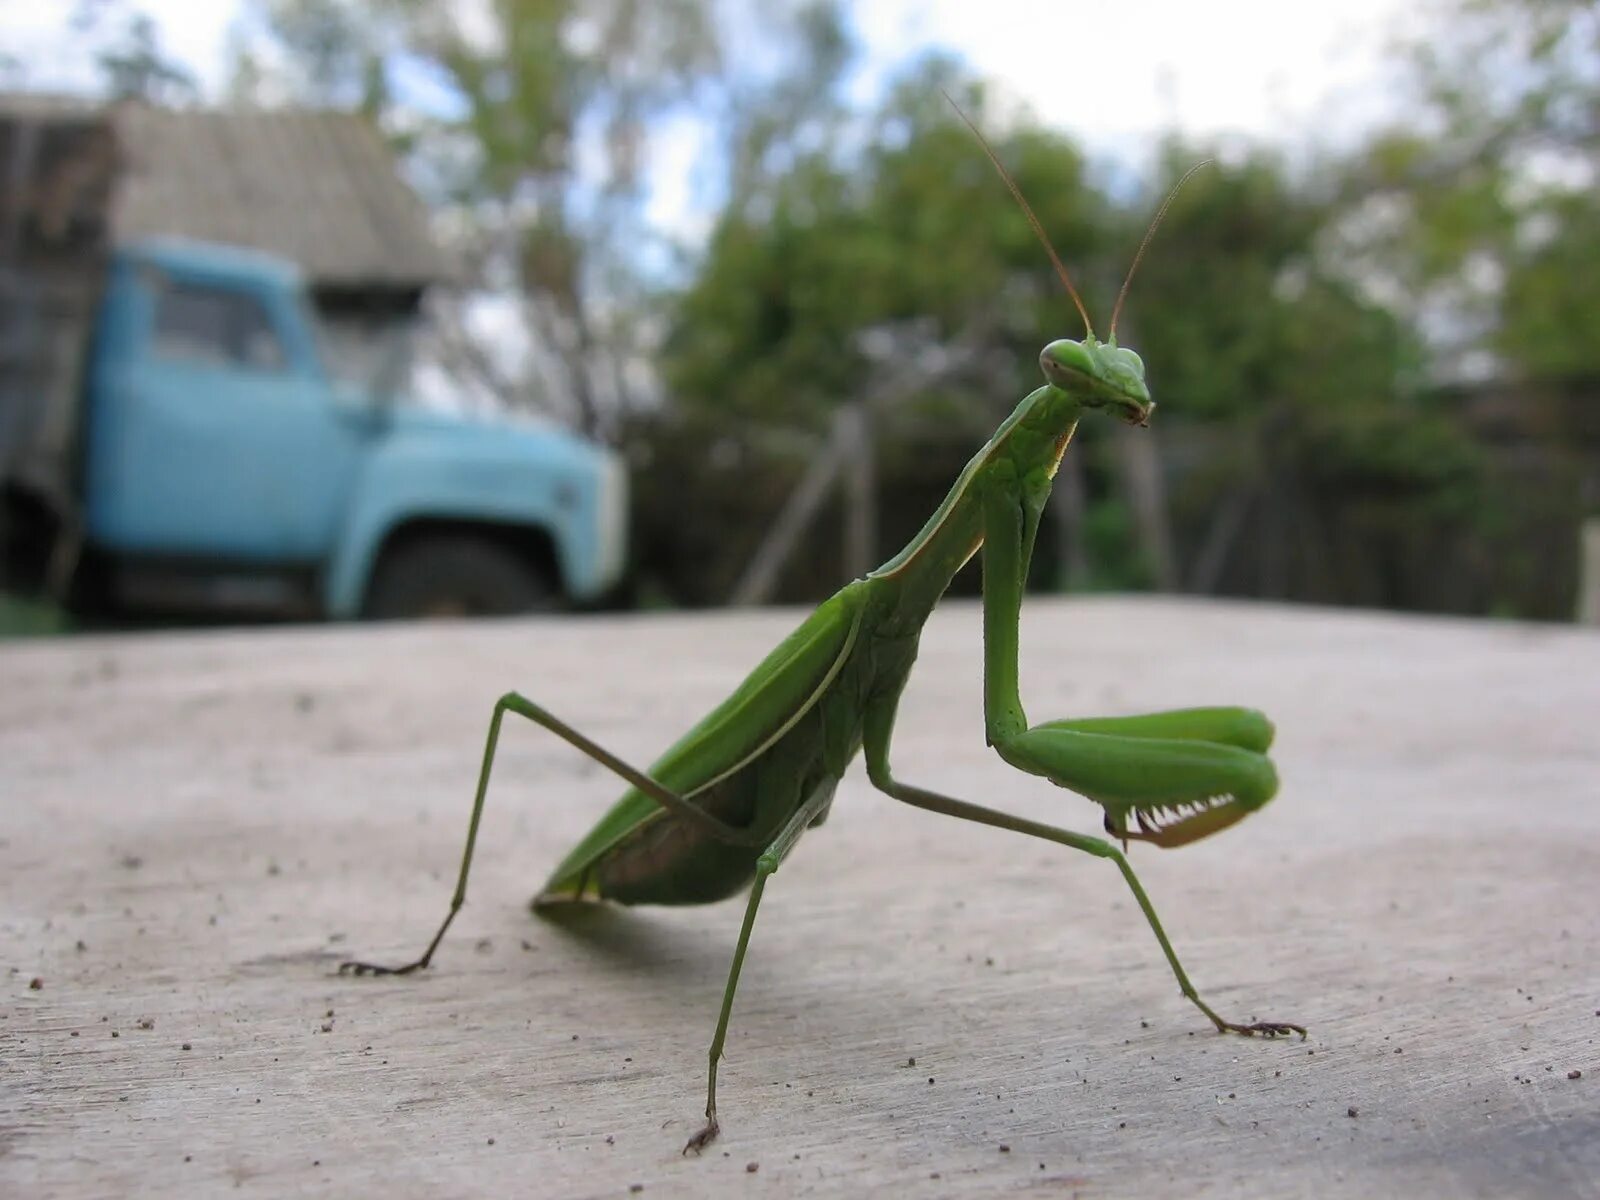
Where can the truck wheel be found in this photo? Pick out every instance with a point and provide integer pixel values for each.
(456, 577)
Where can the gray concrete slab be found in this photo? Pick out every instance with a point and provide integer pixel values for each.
(194, 830)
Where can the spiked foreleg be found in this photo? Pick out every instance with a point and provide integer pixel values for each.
(1177, 776)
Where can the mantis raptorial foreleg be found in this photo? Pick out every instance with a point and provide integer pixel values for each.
(1126, 764)
(771, 858)
(523, 707)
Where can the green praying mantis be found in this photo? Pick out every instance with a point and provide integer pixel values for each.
(724, 806)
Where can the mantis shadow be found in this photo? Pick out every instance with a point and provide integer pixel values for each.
(634, 943)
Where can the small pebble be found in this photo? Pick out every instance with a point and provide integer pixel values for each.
(1351, 1111)
(750, 1168)
(1004, 1149)
(1574, 1074)
(35, 983)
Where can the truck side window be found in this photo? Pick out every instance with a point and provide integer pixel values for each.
(215, 327)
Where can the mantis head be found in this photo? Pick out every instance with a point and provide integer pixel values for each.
(1100, 375)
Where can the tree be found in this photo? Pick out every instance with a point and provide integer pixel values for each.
(132, 64)
(543, 121)
(868, 246)
(1476, 213)
(1257, 349)
(1474, 218)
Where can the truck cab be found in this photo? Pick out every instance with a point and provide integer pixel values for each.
(223, 465)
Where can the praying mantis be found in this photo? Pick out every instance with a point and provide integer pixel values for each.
(724, 806)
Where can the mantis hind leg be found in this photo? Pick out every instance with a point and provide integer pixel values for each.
(766, 865)
(523, 707)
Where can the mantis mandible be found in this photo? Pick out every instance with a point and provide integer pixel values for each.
(724, 806)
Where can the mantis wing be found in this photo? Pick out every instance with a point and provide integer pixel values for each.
(786, 685)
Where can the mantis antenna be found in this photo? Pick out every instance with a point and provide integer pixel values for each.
(1038, 229)
(1155, 221)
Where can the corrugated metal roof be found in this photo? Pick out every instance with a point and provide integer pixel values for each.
(49, 106)
(313, 186)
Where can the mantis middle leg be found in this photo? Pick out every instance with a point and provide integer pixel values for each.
(878, 730)
(1135, 764)
(766, 865)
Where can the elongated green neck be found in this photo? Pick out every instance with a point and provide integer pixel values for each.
(1021, 458)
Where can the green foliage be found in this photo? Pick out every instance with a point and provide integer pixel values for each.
(914, 227)
(1394, 454)
(1236, 314)
(1489, 184)
(1112, 542)
(1295, 320)
(1548, 319)
(1240, 322)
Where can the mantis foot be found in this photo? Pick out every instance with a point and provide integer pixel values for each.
(1269, 1029)
(366, 968)
(705, 1137)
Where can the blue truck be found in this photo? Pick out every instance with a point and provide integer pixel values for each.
(175, 436)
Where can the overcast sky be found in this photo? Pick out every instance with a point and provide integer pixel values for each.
(1110, 71)
(1113, 74)
(1103, 71)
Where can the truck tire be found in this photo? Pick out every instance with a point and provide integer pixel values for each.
(459, 576)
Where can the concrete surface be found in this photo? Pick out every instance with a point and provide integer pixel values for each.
(196, 828)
